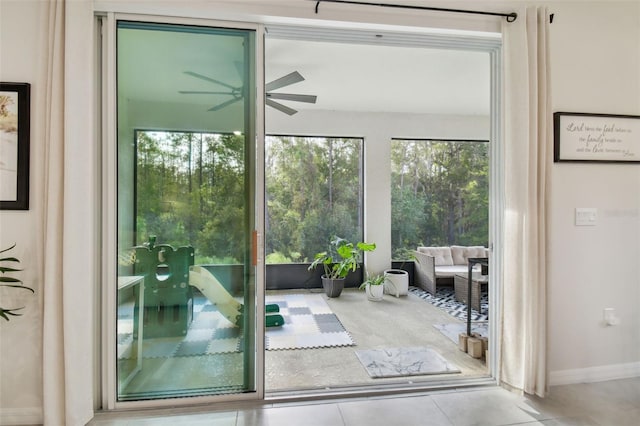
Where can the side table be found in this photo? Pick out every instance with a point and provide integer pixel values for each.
(125, 282)
(478, 281)
(473, 261)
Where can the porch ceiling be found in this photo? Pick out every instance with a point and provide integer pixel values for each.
(361, 77)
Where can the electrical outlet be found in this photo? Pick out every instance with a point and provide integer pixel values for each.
(610, 317)
(586, 216)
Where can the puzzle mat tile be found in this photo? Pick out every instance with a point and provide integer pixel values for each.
(309, 323)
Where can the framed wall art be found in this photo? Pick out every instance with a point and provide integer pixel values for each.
(596, 137)
(14, 145)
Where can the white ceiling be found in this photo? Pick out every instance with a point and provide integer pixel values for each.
(365, 77)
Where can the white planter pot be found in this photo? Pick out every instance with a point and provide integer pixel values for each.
(397, 282)
(374, 292)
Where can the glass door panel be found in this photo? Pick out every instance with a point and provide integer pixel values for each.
(186, 280)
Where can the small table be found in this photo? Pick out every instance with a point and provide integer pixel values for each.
(478, 282)
(125, 282)
(473, 261)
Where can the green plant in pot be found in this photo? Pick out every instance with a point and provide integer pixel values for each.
(10, 282)
(342, 257)
(374, 286)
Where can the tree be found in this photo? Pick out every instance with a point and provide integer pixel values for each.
(313, 191)
(439, 194)
(190, 190)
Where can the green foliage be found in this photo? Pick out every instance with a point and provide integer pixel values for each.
(440, 194)
(207, 260)
(313, 189)
(341, 258)
(190, 189)
(277, 257)
(6, 266)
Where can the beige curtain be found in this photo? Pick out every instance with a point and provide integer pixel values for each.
(527, 158)
(68, 304)
(53, 333)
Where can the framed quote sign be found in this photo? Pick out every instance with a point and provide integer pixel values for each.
(596, 137)
(14, 145)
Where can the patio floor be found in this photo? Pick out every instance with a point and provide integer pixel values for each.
(401, 322)
(189, 365)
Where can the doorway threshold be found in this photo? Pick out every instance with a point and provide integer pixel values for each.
(379, 390)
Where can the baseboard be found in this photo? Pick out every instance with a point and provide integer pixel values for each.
(594, 374)
(21, 416)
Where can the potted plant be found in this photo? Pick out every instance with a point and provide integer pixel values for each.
(397, 282)
(374, 287)
(342, 257)
(11, 282)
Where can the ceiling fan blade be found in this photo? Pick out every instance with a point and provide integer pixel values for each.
(280, 107)
(286, 80)
(310, 99)
(202, 92)
(212, 80)
(224, 104)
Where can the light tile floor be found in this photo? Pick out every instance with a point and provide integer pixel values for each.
(611, 403)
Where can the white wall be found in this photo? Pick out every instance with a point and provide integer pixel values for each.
(22, 60)
(595, 59)
(595, 53)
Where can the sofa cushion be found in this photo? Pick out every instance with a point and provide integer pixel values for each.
(460, 254)
(442, 255)
(450, 270)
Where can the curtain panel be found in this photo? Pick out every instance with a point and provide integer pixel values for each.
(69, 269)
(527, 131)
(53, 333)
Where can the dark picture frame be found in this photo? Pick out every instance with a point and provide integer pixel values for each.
(15, 128)
(591, 138)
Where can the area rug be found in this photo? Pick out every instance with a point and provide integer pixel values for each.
(398, 362)
(445, 299)
(309, 323)
(453, 330)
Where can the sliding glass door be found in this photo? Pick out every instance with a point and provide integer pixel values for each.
(186, 108)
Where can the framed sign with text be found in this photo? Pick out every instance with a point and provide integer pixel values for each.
(596, 137)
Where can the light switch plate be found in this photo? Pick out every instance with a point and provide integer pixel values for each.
(586, 216)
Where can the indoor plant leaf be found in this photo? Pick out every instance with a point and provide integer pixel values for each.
(10, 282)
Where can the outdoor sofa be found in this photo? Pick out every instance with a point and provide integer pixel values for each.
(436, 266)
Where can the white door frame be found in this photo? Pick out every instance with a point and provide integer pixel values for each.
(491, 45)
(106, 46)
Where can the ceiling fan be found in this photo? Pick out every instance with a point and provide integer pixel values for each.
(236, 92)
